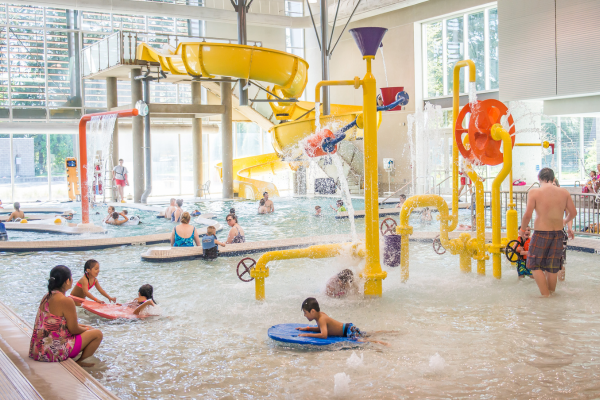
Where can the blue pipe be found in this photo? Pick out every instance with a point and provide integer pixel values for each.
(401, 100)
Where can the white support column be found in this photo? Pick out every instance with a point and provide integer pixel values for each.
(227, 140)
(137, 135)
(197, 141)
(112, 101)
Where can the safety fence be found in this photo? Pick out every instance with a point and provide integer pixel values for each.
(586, 222)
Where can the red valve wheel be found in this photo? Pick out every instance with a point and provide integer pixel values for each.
(461, 133)
(388, 225)
(437, 246)
(485, 149)
(247, 269)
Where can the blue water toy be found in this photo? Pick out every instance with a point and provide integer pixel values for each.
(288, 333)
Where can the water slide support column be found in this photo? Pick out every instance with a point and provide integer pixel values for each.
(197, 141)
(137, 137)
(147, 146)
(324, 59)
(111, 102)
(227, 140)
(242, 39)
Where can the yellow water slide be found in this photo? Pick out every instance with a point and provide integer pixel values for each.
(287, 72)
(246, 167)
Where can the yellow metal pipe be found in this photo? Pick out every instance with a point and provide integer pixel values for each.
(356, 83)
(261, 271)
(479, 244)
(455, 110)
(498, 133)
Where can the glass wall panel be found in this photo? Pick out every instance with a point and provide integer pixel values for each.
(187, 163)
(267, 142)
(61, 147)
(165, 164)
(3, 67)
(124, 92)
(435, 53)
(454, 50)
(95, 93)
(129, 23)
(493, 38)
(248, 138)
(163, 92)
(25, 15)
(27, 67)
(62, 81)
(549, 159)
(476, 24)
(185, 94)
(56, 18)
(5, 186)
(569, 152)
(30, 163)
(95, 21)
(590, 130)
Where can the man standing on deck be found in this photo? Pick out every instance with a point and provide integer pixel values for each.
(120, 179)
(550, 203)
(268, 203)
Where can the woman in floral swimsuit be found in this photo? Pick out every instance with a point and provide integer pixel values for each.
(57, 335)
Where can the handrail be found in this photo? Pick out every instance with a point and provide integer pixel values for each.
(387, 198)
(440, 184)
(532, 185)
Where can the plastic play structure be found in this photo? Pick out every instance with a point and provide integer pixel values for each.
(480, 146)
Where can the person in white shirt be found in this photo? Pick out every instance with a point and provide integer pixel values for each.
(120, 179)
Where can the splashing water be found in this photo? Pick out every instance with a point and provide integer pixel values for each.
(318, 116)
(337, 161)
(355, 361)
(437, 363)
(99, 143)
(340, 386)
(384, 69)
(472, 94)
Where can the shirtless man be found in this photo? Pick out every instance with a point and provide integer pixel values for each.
(550, 203)
(268, 203)
(170, 209)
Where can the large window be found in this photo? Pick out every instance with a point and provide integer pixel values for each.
(471, 35)
(575, 152)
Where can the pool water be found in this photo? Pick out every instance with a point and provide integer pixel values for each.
(293, 217)
(452, 334)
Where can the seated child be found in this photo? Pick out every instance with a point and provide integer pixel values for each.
(210, 242)
(91, 270)
(522, 269)
(144, 302)
(262, 209)
(328, 326)
(341, 284)
(318, 211)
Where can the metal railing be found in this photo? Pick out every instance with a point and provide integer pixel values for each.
(587, 221)
(120, 48)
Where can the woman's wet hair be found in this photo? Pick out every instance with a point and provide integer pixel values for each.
(232, 216)
(232, 211)
(346, 276)
(89, 264)
(179, 202)
(147, 290)
(115, 215)
(185, 218)
(556, 182)
(17, 205)
(262, 202)
(58, 276)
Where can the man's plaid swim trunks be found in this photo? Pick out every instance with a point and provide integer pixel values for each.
(546, 251)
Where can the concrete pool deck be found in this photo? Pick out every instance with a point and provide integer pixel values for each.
(23, 378)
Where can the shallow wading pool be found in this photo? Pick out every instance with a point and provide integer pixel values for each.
(493, 338)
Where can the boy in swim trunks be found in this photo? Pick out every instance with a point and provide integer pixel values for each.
(328, 326)
(545, 258)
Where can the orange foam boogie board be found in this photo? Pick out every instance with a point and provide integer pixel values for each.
(108, 311)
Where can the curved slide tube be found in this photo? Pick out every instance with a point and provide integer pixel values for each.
(243, 169)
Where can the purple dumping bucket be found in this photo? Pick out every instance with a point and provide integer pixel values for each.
(368, 39)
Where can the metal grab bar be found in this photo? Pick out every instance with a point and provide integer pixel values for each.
(387, 198)
(532, 185)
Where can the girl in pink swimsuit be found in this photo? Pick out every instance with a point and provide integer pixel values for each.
(91, 270)
(57, 335)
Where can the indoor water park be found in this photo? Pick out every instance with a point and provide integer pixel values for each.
(293, 199)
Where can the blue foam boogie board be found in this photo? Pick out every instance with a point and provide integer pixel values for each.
(288, 333)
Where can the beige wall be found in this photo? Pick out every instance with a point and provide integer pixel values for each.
(399, 53)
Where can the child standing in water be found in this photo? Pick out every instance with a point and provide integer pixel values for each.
(262, 209)
(522, 269)
(341, 284)
(91, 270)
